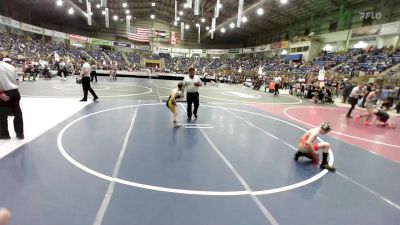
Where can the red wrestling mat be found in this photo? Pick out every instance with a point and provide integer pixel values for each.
(378, 140)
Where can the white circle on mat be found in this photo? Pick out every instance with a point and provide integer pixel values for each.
(185, 191)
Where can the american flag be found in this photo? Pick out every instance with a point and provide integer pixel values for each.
(139, 34)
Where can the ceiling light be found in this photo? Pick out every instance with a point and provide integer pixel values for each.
(187, 27)
(244, 19)
(203, 20)
(175, 23)
(178, 18)
(260, 11)
(71, 11)
(129, 17)
(153, 4)
(284, 1)
(127, 11)
(124, 4)
(181, 13)
(103, 12)
(207, 28)
(232, 25)
(98, 6)
(59, 3)
(91, 13)
(185, 5)
(222, 30)
(197, 25)
(219, 5)
(115, 17)
(152, 16)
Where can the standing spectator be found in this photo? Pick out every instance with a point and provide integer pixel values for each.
(63, 70)
(93, 73)
(354, 96)
(9, 99)
(392, 96)
(278, 81)
(192, 83)
(85, 77)
(346, 91)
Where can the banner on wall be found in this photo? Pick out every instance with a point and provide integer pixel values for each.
(284, 44)
(276, 45)
(215, 51)
(97, 41)
(143, 47)
(53, 33)
(390, 28)
(174, 38)
(10, 22)
(233, 51)
(247, 50)
(180, 50)
(31, 28)
(262, 48)
(122, 44)
(196, 51)
(164, 49)
(365, 31)
(60, 34)
(78, 38)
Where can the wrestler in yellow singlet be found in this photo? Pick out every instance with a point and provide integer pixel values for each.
(171, 103)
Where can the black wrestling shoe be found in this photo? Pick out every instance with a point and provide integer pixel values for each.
(297, 155)
(195, 115)
(83, 100)
(328, 167)
(20, 136)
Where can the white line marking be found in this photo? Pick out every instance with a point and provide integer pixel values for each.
(191, 127)
(369, 190)
(78, 88)
(196, 124)
(335, 132)
(293, 186)
(158, 92)
(173, 190)
(331, 159)
(105, 96)
(110, 189)
(261, 103)
(263, 209)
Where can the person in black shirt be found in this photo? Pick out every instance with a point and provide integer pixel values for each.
(382, 119)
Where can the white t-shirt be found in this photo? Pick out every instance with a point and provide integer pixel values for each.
(189, 83)
(85, 71)
(278, 80)
(355, 92)
(8, 77)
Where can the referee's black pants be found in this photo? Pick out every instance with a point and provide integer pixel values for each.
(192, 98)
(353, 102)
(86, 87)
(13, 105)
